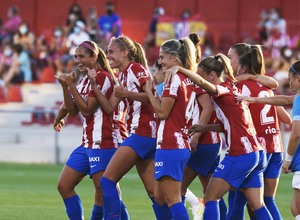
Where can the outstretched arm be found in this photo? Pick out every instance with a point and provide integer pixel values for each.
(280, 100)
(207, 86)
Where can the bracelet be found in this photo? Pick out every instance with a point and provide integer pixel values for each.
(288, 157)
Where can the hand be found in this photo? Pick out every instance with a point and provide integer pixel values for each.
(240, 98)
(119, 91)
(66, 79)
(243, 77)
(58, 125)
(92, 74)
(149, 86)
(194, 142)
(170, 73)
(286, 167)
(196, 128)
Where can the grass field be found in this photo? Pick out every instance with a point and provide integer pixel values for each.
(28, 191)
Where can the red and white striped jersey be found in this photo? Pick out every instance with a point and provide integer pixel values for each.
(173, 131)
(141, 118)
(208, 137)
(235, 120)
(264, 117)
(98, 129)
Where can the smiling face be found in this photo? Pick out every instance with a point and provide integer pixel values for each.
(167, 60)
(116, 57)
(83, 59)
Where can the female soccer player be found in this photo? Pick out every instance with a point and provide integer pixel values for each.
(98, 144)
(175, 111)
(139, 148)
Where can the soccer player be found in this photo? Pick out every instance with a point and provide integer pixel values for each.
(175, 111)
(98, 143)
(139, 148)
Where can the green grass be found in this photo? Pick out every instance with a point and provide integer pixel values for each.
(28, 191)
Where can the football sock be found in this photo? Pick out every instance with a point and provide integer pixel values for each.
(263, 213)
(273, 209)
(97, 212)
(211, 210)
(179, 211)
(111, 199)
(74, 208)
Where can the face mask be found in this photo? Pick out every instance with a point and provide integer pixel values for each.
(7, 52)
(23, 29)
(57, 33)
(274, 16)
(77, 30)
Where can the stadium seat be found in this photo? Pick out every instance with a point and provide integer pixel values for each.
(47, 75)
(14, 93)
(38, 116)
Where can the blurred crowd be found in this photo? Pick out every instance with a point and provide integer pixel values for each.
(24, 55)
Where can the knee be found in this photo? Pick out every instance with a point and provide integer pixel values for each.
(106, 183)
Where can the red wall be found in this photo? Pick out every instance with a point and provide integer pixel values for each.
(234, 16)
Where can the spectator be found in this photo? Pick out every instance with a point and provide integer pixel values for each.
(109, 25)
(92, 26)
(11, 26)
(275, 21)
(19, 70)
(58, 48)
(75, 14)
(150, 38)
(261, 26)
(24, 37)
(182, 28)
(74, 39)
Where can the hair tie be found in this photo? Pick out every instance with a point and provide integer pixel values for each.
(88, 46)
(181, 41)
(294, 70)
(216, 57)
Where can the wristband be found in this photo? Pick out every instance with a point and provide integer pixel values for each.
(288, 157)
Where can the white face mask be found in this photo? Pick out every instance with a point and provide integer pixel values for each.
(7, 52)
(57, 33)
(274, 16)
(76, 30)
(23, 29)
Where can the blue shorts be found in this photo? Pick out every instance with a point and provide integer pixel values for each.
(145, 147)
(236, 169)
(256, 177)
(205, 160)
(90, 161)
(171, 163)
(274, 163)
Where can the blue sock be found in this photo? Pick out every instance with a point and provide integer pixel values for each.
(211, 210)
(97, 212)
(231, 194)
(238, 207)
(179, 211)
(263, 213)
(124, 212)
(272, 207)
(111, 199)
(74, 208)
(161, 212)
(223, 209)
